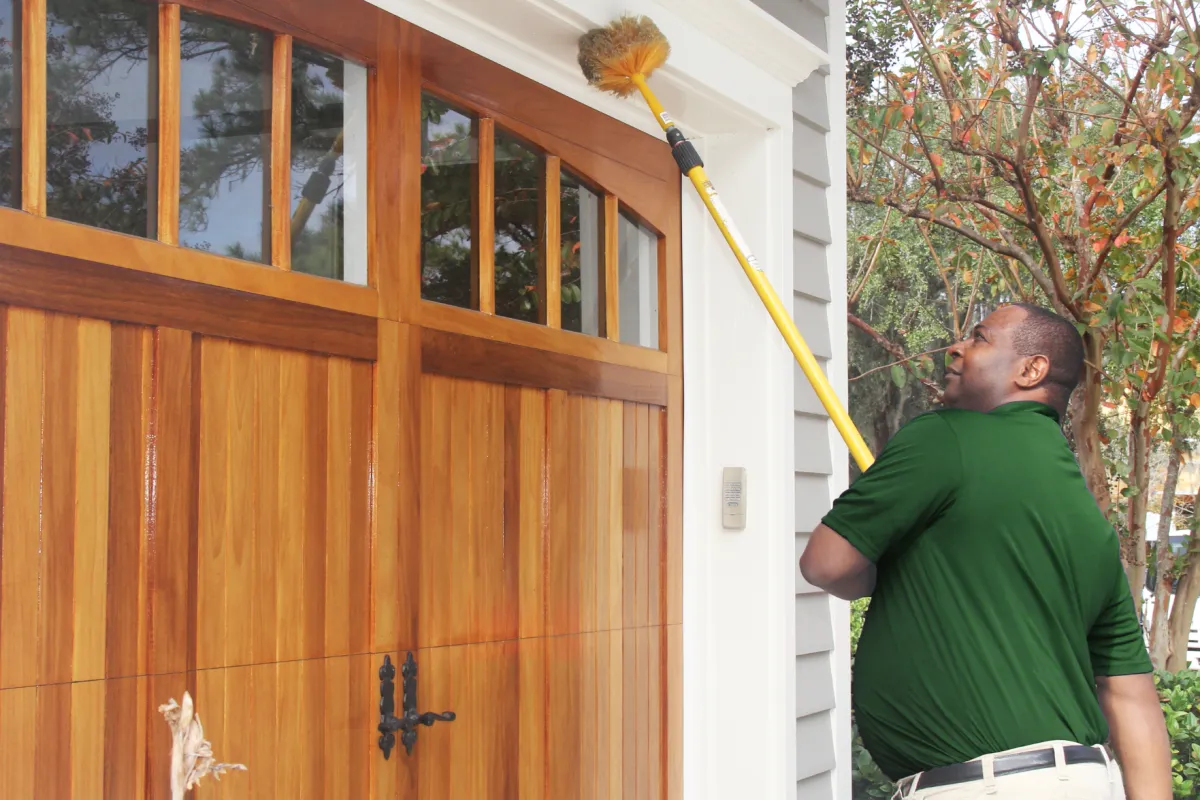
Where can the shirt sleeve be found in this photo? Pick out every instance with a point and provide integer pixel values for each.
(1115, 639)
(913, 481)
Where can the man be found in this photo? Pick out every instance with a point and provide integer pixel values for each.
(1002, 648)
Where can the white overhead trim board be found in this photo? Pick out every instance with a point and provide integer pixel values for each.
(755, 35)
(720, 78)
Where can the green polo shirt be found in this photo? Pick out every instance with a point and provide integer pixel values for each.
(1000, 592)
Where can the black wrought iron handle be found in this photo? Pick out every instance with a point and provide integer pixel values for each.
(409, 719)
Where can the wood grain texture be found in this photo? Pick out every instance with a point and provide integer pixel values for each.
(524, 502)
(463, 356)
(281, 152)
(173, 512)
(563, 542)
(56, 561)
(53, 741)
(33, 107)
(40, 280)
(483, 242)
(611, 250)
(468, 593)
(550, 255)
(20, 545)
(127, 636)
(91, 512)
(396, 579)
(126, 715)
(673, 504)
(394, 181)
(67, 245)
(18, 742)
(167, 187)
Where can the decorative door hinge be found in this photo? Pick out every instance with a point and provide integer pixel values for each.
(409, 719)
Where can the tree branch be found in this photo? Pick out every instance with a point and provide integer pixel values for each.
(893, 349)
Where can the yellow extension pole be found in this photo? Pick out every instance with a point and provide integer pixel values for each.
(808, 363)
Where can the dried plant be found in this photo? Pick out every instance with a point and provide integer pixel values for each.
(191, 753)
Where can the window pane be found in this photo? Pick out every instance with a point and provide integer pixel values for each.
(101, 120)
(224, 131)
(637, 282)
(10, 103)
(329, 133)
(449, 154)
(518, 228)
(582, 213)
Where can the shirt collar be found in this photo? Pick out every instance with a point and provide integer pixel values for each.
(1026, 406)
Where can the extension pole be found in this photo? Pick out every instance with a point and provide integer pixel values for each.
(691, 165)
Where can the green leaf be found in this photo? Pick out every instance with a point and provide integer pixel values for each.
(1107, 129)
(899, 376)
(1076, 142)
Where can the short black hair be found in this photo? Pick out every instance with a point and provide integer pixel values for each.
(1043, 332)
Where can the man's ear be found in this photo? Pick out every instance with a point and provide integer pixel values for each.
(1033, 372)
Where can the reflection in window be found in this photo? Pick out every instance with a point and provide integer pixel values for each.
(10, 103)
(100, 113)
(449, 155)
(637, 282)
(224, 131)
(582, 268)
(328, 223)
(518, 228)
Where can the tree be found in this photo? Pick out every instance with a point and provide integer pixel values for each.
(1059, 138)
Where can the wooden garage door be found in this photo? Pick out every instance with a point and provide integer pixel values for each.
(255, 445)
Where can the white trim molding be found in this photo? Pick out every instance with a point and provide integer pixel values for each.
(755, 35)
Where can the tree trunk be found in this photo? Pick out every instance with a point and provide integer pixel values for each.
(1133, 550)
(1183, 611)
(1085, 425)
(1161, 643)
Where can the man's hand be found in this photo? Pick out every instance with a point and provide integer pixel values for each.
(831, 563)
(1139, 734)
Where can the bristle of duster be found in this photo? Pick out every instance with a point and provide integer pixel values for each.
(612, 55)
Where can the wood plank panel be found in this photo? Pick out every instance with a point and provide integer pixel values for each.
(611, 489)
(655, 520)
(91, 522)
(215, 512)
(315, 468)
(524, 508)
(476, 755)
(53, 741)
(173, 514)
(126, 715)
(338, 535)
(673, 724)
(630, 723)
(41, 275)
(289, 614)
(673, 504)
(242, 594)
(587, 504)
(18, 742)
(467, 592)
(565, 717)
(267, 533)
(631, 493)
(20, 544)
(56, 561)
(358, 508)
(464, 356)
(533, 769)
(396, 580)
(127, 635)
(563, 545)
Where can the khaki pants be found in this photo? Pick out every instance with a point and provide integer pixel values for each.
(1063, 782)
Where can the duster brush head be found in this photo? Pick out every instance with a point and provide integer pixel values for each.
(612, 55)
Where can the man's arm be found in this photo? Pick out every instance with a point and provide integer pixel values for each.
(831, 563)
(1139, 734)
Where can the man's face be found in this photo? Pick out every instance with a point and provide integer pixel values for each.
(984, 369)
